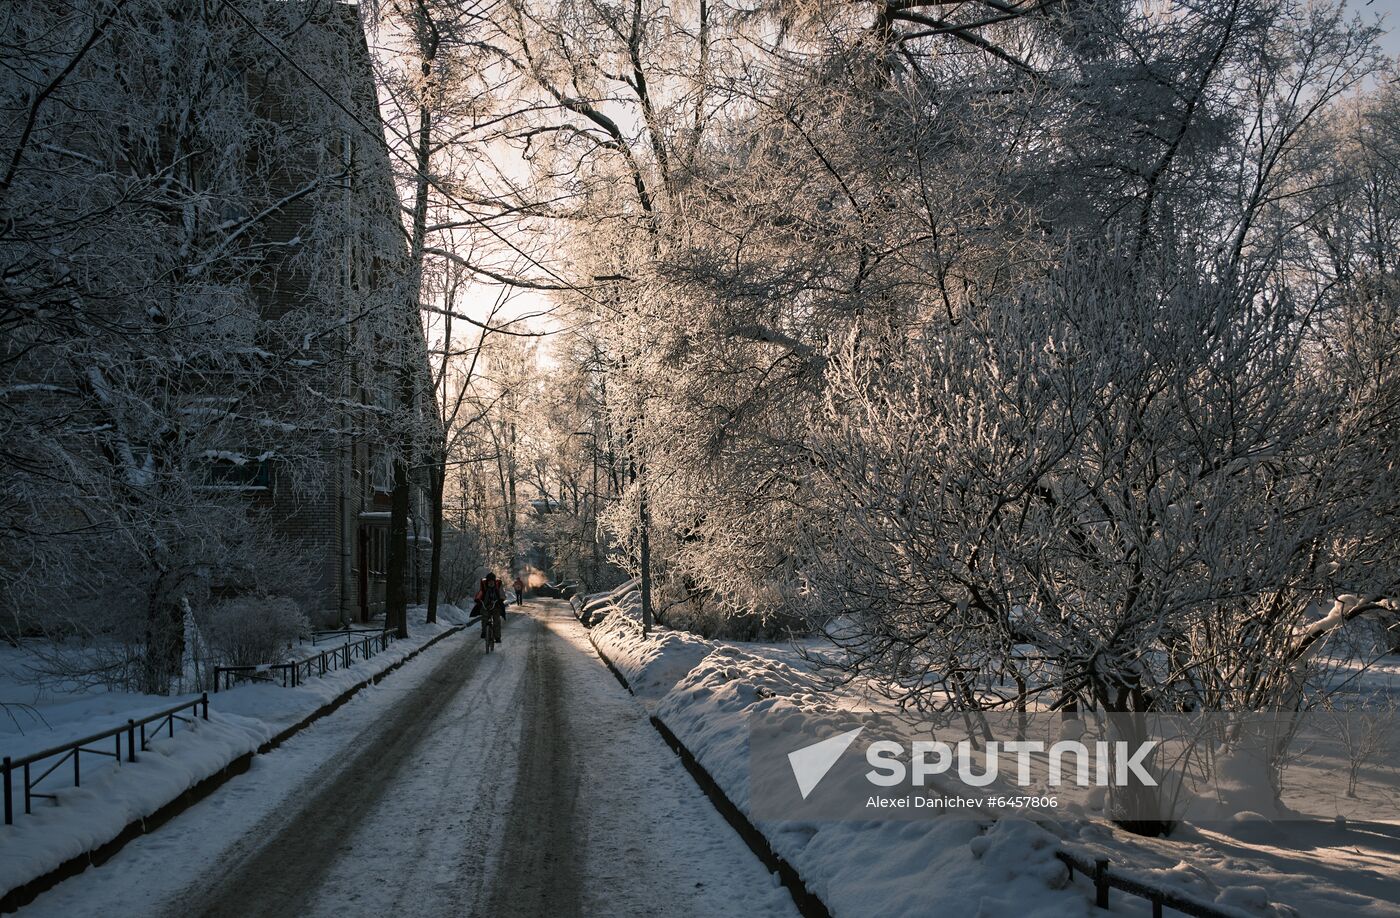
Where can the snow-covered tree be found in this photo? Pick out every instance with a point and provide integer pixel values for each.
(170, 171)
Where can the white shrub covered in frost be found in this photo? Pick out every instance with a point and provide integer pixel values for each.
(250, 630)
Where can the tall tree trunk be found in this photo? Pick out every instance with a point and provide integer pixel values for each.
(396, 587)
(439, 473)
(644, 519)
(164, 638)
(637, 472)
(596, 582)
(396, 590)
(511, 474)
(396, 595)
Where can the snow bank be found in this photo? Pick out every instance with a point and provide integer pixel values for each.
(113, 796)
(595, 607)
(82, 819)
(863, 868)
(705, 692)
(447, 613)
(651, 665)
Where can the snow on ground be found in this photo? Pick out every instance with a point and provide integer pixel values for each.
(112, 796)
(463, 784)
(704, 691)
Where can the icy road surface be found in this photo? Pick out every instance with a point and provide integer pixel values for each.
(526, 782)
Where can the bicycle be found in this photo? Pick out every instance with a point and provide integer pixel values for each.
(491, 628)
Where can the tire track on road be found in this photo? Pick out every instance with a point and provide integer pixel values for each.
(278, 866)
(539, 874)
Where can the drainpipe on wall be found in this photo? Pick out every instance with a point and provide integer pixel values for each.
(346, 461)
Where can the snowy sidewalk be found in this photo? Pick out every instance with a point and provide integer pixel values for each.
(112, 798)
(526, 782)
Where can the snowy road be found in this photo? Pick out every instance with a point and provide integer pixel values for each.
(523, 783)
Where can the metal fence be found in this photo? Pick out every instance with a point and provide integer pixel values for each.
(1096, 869)
(347, 632)
(136, 738)
(293, 672)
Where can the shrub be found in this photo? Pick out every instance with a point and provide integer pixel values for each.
(249, 630)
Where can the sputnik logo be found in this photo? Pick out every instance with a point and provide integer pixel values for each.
(811, 763)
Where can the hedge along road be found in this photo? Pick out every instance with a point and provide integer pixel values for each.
(526, 782)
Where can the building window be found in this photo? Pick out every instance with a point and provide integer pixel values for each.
(228, 470)
(382, 471)
(378, 561)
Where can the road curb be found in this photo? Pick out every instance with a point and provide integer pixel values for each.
(808, 903)
(26, 892)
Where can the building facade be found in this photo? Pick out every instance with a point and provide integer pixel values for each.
(333, 510)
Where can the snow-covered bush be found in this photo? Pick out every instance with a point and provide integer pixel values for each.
(764, 616)
(1090, 474)
(250, 630)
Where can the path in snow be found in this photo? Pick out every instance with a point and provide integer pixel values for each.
(523, 783)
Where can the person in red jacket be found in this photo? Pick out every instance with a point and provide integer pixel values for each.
(519, 586)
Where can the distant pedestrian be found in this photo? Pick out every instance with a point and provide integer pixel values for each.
(519, 586)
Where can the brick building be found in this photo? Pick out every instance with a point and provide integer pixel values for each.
(334, 509)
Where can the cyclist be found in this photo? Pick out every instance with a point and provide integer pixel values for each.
(493, 608)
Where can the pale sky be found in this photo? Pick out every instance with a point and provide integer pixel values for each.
(1390, 9)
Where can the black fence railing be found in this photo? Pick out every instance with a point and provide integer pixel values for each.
(347, 632)
(136, 736)
(293, 672)
(1096, 869)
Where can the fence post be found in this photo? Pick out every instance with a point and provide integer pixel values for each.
(9, 794)
(217, 671)
(1157, 904)
(204, 697)
(131, 740)
(1101, 882)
